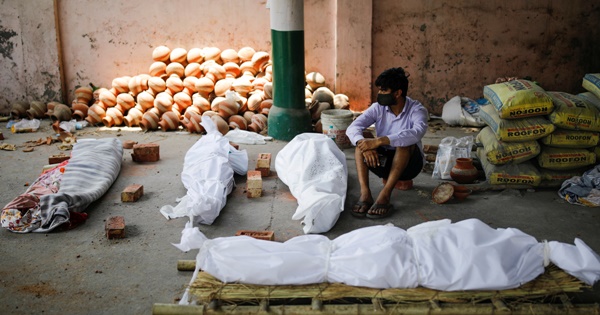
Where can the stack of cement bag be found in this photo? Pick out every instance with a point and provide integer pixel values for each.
(534, 137)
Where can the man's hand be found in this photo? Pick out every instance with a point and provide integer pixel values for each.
(371, 158)
(365, 145)
(371, 144)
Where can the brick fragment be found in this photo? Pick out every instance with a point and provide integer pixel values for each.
(115, 227)
(128, 144)
(263, 164)
(261, 235)
(254, 184)
(58, 158)
(132, 193)
(146, 152)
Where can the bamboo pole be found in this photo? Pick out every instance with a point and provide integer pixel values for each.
(186, 265)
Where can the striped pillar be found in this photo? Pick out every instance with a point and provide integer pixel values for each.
(288, 116)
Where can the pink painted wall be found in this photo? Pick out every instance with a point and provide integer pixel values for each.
(118, 38)
(457, 47)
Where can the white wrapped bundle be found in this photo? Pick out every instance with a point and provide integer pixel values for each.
(315, 170)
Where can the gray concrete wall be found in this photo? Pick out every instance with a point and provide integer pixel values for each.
(29, 55)
(449, 47)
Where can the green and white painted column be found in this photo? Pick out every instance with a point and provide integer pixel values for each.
(288, 116)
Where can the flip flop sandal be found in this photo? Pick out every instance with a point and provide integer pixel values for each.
(361, 205)
(388, 210)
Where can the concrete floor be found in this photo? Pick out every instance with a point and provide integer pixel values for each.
(81, 272)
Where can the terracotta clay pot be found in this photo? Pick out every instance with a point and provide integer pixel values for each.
(464, 172)
(215, 72)
(157, 85)
(237, 121)
(222, 86)
(259, 123)
(149, 121)
(201, 102)
(175, 68)
(222, 125)
(232, 70)
(178, 55)
(205, 86)
(212, 53)
(265, 106)
(268, 89)
(242, 85)
(36, 110)
(163, 102)
(174, 84)
(61, 112)
(183, 100)
(157, 69)
(125, 101)
(255, 99)
(133, 118)
(80, 111)
(161, 53)
(461, 192)
(248, 70)
(95, 114)
(248, 116)
(195, 55)
(113, 117)
(246, 53)
(315, 80)
(260, 60)
(227, 109)
(145, 100)
(121, 84)
(229, 55)
(108, 98)
(193, 123)
(19, 109)
(84, 94)
(137, 84)
(169, 121)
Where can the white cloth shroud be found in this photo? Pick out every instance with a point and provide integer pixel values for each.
(207, 175)
(315, 170)
(467, 255)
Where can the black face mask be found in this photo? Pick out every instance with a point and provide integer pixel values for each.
(386, 99)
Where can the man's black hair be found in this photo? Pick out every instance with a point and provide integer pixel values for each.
(394, 79)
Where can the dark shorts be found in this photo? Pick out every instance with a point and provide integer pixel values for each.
(413, 168)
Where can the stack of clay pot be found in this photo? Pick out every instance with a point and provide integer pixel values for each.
(231, 87)
(182, 87)
(320, 98)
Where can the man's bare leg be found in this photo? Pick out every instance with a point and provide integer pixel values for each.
(401, 158)
(363, 177)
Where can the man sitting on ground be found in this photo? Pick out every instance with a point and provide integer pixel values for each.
(396, 153)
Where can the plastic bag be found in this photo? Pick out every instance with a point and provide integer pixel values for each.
(315, 170)
(245, 137)
(449, 150)
(25, 125)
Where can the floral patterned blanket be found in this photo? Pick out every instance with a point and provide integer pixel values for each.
(61, 195)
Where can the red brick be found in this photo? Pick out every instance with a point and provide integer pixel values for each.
(147, 152)
(263, 164)
(261, 235)
(132, 193)
(254, 184)
(58, 158)
(115, 227)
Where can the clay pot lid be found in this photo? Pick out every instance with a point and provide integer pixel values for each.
(461, 192)
(442, 193)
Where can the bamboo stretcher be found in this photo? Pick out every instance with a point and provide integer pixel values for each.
(547, 294)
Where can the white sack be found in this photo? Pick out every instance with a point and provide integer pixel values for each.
(454, 114)
(245, 137)
(315, 170)
(208, 176)
(468, 255)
